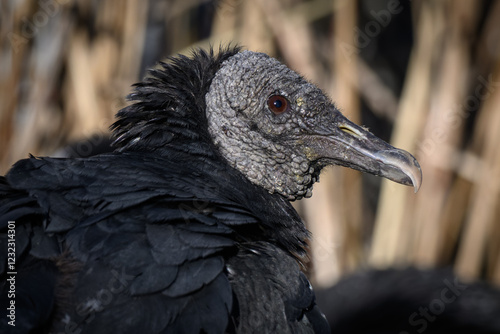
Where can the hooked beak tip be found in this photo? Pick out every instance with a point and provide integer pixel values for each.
(404, 162)
(368, 153)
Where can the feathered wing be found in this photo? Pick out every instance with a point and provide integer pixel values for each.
(148, 253)
(27, 285)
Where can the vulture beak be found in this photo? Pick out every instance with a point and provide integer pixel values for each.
(344, 143)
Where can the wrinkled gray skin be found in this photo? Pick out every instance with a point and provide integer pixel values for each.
(284, 153)
(248, 125)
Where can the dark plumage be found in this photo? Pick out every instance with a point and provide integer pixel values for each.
(186, 227)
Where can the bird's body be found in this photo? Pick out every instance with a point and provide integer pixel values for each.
(182, 229)
(172, 243)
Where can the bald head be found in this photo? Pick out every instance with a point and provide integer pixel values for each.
(280, 130)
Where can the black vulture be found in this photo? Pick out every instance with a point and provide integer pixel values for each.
(187, 226)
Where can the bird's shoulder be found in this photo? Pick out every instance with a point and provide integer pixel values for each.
(116, 182)
(144, 188)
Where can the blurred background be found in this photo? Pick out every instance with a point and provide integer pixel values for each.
(424, 75)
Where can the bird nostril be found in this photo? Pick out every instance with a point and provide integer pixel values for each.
(350, 130)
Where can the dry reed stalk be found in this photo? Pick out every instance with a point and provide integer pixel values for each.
(493, 250)
(488, 44)
(83, 109)
(345, 92)
(377, 95)
(441, 136)
(468, 163)
(293, 36)
(255, 34)
(101, 69)
(16, 50)
(39, 131)
(325, 220)
(392, 232)
(133, 36)
(455, 210)
(225, 25)
(479, 228)
(179, 25)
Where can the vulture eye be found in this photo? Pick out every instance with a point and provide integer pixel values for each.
(278, 104)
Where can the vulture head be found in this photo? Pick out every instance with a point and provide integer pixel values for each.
(264, 119)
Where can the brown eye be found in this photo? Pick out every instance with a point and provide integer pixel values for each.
(278, 104)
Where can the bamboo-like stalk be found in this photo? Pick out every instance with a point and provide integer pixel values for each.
(392, 236)
(493, 250)
(225, 26)
(486, 193)
(133, 39)
(83, 91)
(444, 127)
(41, 114)
(345, 93)
(325, 219)
(255, 34)
(293, 36)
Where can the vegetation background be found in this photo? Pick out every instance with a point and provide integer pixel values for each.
(422, 74)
